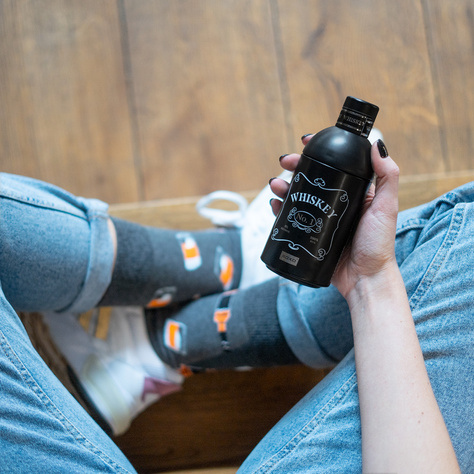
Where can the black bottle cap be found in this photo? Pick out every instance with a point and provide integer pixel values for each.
(357, 116)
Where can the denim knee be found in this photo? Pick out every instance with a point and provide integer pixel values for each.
(56, 249)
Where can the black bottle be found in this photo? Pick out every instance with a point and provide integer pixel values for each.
(325, 198)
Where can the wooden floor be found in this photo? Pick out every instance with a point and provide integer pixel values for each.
(138, 100)
(130, 100)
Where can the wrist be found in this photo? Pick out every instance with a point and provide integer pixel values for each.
(382, 285)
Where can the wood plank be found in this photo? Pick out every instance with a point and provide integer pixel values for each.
(216, 420)
(17, 147)
(66, 111)
(177, 213)
(451, 35)
(372, 49)
(180, 213)
(206, 93)
(419, 189)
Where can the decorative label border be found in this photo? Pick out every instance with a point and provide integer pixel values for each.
(318, 183)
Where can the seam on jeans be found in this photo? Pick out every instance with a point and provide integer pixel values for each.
(45, 205)
(440, 256)
(412, 224)
(316, 420)
(452, 198)
(67, 203)
(54, 411)
(8, 194)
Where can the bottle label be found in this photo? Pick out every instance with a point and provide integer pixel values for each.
(314, 215)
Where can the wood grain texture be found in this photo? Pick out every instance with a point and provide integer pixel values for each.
(373, 49)
(127, 101)
(18, 149)
(216, 420)
(450, 36)
(64, 115)
(419, 189)
(180, 213)
(206, 93)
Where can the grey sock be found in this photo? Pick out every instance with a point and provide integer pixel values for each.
(231, 329)
(158, 266)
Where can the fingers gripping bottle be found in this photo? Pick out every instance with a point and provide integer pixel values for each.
(325, 199)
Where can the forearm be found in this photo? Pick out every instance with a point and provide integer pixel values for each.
(402, 427)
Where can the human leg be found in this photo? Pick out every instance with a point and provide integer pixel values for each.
(157, 266)
(227, 330)
(58, 258)
(57, 251)
(152, 265)
(322, 433)
(43, 428)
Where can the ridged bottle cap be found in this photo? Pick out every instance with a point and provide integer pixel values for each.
(357, 116)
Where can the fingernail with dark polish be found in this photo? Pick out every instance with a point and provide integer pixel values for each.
(282, 156)
(270, 181)
(382, 148)
(304, 136)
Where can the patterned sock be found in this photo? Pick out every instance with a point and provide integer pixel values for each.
(232, 329)
(155, 267)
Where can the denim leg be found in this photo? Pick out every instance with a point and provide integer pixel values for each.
(435, 249)
(55, 254)
(316, 323)
(42, 427)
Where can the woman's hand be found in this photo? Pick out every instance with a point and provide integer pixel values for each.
(372, 247)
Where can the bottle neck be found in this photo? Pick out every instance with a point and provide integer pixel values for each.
(355, 122)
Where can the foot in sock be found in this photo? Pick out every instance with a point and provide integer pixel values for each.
(119, 375)
(155, 267)
(158, 266)
(233, 329)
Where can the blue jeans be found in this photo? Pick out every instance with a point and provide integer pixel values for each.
(56, 254)
(435, 253)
